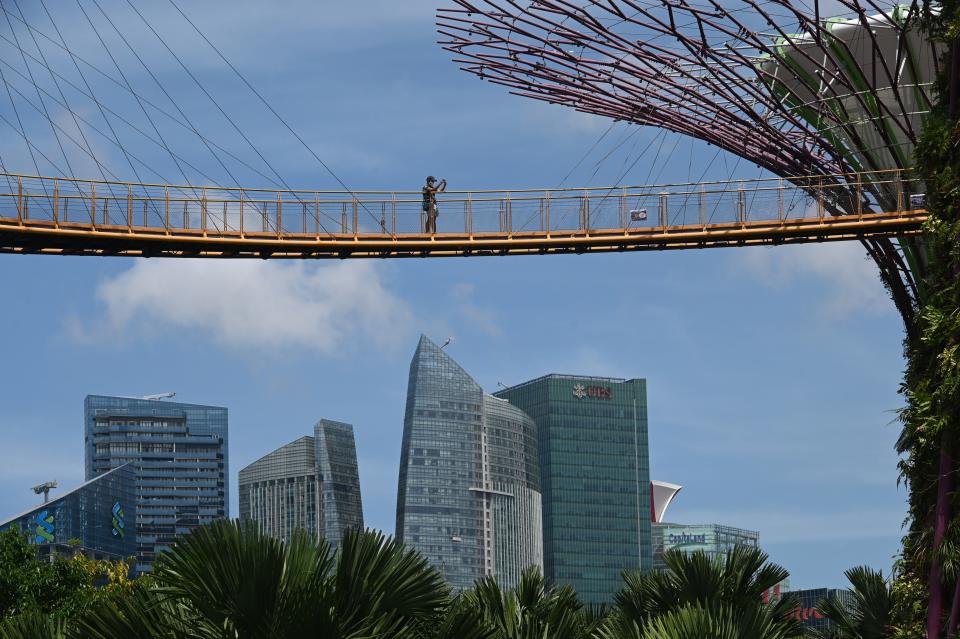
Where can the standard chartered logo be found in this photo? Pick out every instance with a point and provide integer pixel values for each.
(118, 523)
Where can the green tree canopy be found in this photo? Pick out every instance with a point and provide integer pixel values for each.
(704, 597)
(228, 580)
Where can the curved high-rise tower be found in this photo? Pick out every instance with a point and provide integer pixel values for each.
(513, 508)
(469, 491)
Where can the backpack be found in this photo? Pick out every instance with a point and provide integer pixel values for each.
(428, 199)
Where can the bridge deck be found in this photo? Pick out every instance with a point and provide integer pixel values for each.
(74, 217)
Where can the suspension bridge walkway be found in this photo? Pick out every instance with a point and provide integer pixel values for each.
(62, 216)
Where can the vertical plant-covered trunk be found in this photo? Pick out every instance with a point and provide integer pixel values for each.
(932, 384)
(945, 478)
(935, 584)
(954, 612)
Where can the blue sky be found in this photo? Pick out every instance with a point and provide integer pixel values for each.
(772, 372)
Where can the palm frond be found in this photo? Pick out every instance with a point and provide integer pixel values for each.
(33, 626)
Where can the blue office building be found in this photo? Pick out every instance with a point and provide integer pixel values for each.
(95, 519)
(179, 453)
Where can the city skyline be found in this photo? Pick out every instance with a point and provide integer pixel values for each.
(744, 347)
(691, 524)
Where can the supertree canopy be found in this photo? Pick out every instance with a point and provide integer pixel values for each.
(801, 89)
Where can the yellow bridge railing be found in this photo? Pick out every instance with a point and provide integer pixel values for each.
(61, 215)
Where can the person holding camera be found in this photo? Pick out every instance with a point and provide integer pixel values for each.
(430, 191)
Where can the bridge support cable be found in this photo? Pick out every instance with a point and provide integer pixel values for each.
(130, 87)
(63, 98)
(93, 127)
(320, 217)
(583, 158)
(172, 117)
(43, 103)
(30, 145)
(661, 136)
(78, 144)
(19, 128)
(213, 100)
(85, 146)
(202, 88)
(86, 83)
(267, 104)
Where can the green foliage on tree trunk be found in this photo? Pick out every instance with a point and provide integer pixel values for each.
(930, 441)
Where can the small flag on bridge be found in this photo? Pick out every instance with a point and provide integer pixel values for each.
(638, 215)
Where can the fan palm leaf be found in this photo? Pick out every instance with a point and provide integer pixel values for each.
(698, 621)
(703, 593)
(868, 616)
(532, 610)
(247, 584)
(33, 626)
(229, 581)
(382, 586)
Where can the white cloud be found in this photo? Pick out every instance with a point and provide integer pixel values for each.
(249, 304)
(851, 282)
(482, 319)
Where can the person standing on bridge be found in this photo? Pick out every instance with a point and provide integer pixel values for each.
(430, 191)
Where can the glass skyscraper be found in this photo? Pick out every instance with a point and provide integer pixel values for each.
(595, 478)
(469, 489)
(713, 539)
(179, 453)
(281, 491)
(511, 491)
(311, 484)
(339, 475)
(96, 518)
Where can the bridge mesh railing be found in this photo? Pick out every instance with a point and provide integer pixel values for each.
(218, 211)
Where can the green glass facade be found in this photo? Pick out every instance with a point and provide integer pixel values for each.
(595, 478)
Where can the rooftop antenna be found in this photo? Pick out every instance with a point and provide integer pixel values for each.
(159, 396)
(447, 343)
(44, 489)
